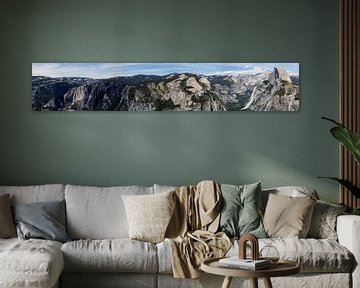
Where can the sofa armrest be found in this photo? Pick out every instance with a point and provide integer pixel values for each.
(348, 230)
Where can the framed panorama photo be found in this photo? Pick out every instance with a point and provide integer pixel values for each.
(165, 86)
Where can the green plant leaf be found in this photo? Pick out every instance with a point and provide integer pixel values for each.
(355, 211)
(333, 121)
(347, 184)
(349, 139)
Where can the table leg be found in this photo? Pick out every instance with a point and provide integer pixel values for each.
(267, 283)
(227, 282)
(254, 282)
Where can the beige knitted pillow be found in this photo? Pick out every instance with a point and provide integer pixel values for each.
(149, 215)
(288, 217)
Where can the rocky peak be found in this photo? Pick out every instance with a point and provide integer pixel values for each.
(279, 74)
(182, 77)
(278, 93)
(205, 82)
(265, 91)
(193, 86)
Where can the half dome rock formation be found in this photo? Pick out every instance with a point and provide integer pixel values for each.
(278, 93)
(279, 74)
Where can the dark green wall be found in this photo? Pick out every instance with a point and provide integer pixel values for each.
(121, 148)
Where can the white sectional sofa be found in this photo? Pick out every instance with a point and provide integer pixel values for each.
(101, 254)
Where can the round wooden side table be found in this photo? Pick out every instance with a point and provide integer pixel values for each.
(281, 268)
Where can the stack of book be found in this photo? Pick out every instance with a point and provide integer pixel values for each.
(248, 264)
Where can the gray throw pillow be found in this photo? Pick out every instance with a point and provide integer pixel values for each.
(240, 213)
(323, 222)
(7, 227)
(44, 220)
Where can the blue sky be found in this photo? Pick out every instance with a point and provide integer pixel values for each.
(107, 70)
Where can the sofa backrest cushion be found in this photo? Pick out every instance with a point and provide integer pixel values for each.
(36, 193)
(98, 212)
(291, 191)
(163, 188)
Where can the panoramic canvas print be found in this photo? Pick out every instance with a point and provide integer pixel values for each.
(165, 86)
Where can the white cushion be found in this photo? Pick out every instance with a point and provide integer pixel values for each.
(98, 212)
(313, 255)
(36, 193)
(117, 255)
(163, 188)
(30, 263)
(348, 229)
(164, 257)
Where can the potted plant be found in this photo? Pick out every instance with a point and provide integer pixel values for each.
(351, 141)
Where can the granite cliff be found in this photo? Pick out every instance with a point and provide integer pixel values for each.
(266, 91)
(278, 93)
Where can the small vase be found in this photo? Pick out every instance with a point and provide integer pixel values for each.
(270, 253)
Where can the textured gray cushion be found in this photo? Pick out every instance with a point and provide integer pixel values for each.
(240, 213)
(32, 263)
(323, 222)
(98, 212)
(7, 227)
(117, 255)
(44, 220)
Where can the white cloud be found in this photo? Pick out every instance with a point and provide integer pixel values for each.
(107, 70)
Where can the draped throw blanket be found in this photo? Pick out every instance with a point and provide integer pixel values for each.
(191, 231)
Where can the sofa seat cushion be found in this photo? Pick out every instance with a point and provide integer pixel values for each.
(313, 255)
(115, 255)
(30, 263)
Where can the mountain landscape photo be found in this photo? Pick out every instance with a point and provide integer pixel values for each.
(165, 87)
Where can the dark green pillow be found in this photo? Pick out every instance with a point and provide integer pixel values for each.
(240, 213)
(43, 220)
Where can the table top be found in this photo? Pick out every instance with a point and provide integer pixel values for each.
(281, 268)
